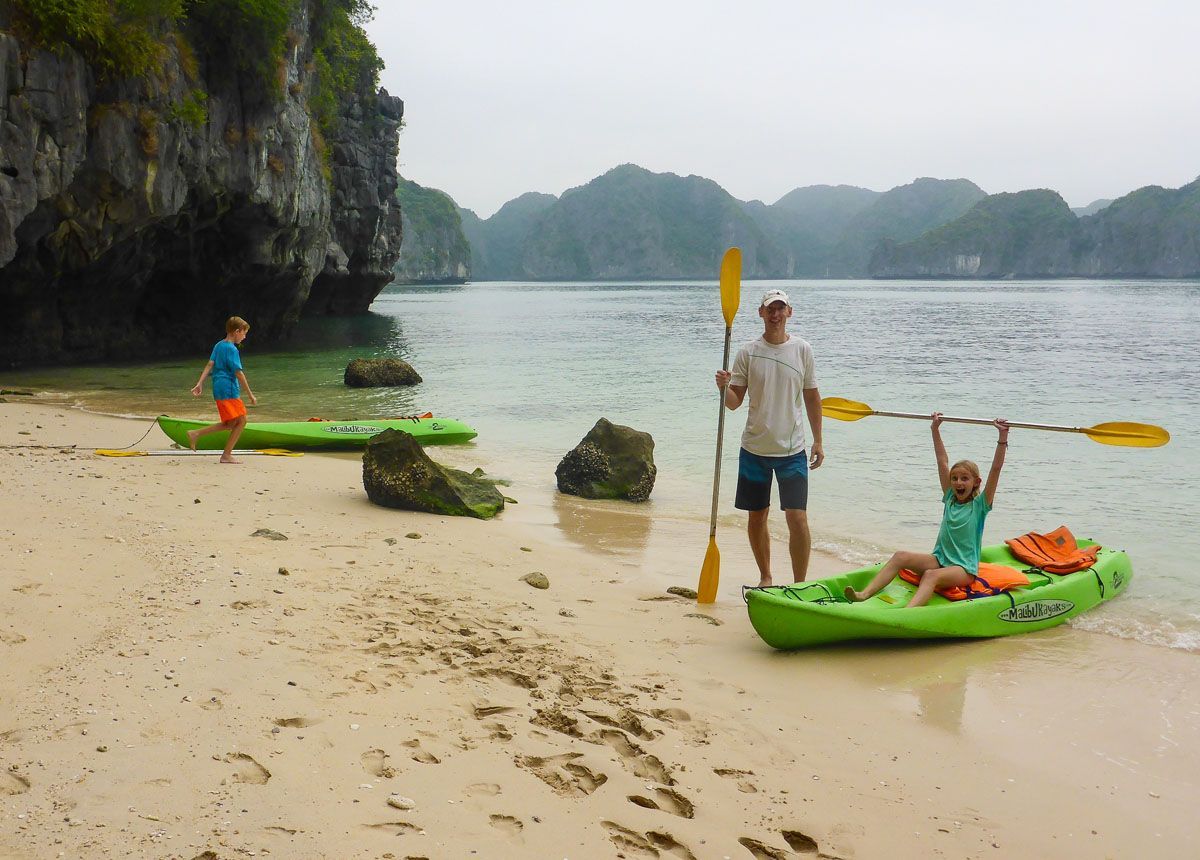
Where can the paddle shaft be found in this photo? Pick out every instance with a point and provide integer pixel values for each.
(956, 420)
(712, 527)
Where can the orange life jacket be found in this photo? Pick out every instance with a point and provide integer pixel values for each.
(992, 579)
(1056, 552)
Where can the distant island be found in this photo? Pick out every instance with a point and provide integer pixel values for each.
(631, 223)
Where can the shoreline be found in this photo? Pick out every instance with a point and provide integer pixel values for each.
(166, 691)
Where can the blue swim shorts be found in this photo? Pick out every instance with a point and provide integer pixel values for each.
(754, 481)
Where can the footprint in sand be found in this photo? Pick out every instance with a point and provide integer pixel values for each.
(483, 789)
(744, 785)
(577, 781)
(394, 828)
(762, 851)
(624, 719)
(668, 801)
(296, 722)
(11, 637)
(248, 770)
(507, 824)
(652, 844)
(639, 763)
(801, 843)
(423, 756)
(13, 783)
(375, 762)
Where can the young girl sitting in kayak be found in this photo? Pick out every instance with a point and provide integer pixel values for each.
(955, 556)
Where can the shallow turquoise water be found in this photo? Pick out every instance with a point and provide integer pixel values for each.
(532, 366)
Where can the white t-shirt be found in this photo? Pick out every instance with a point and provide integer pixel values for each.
(775, 377)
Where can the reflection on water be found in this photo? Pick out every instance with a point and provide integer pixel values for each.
(608, 526)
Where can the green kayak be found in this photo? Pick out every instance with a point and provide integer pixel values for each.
(321, 435)
(814, 613)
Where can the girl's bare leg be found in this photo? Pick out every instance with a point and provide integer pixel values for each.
(936, 578)
(914, 561)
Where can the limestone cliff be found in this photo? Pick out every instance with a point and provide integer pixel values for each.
(434, 250)
(1152, 232)
(134, 221)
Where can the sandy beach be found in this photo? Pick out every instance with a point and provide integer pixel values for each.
(358, 682)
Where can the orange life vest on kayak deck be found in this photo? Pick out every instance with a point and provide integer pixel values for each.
(991, 580)
(1056, 552)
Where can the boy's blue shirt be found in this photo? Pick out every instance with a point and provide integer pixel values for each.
(960, 538)
(227, 361)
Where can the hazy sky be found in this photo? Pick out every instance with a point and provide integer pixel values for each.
(1092, 99)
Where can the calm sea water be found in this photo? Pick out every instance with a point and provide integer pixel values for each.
(532, 366)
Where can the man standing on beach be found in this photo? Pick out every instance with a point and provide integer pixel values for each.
(776, 371)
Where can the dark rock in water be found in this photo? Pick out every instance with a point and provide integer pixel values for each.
(397, 473)
(380, 372)
(611, 462)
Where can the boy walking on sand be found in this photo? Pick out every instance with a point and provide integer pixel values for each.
(776, 372)
(225, 366)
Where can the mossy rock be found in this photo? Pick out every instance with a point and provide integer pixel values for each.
(379, 373)
(611, 462)
(397, 473)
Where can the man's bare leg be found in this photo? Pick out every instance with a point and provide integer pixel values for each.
(760, 544)
(799, 542)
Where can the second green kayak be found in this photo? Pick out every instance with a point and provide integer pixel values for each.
(320, 435)
(815, 613)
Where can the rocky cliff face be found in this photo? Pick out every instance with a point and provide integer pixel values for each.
(127, 230)
(434, 251)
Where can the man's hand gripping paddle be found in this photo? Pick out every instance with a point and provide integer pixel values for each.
(731, 288)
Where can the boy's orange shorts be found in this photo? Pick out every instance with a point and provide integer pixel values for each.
(230, 409)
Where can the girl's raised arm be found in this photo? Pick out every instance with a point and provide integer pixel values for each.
(939, 451)
(989, 489)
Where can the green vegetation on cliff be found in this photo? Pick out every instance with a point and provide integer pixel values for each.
(128, 38)
(1151, 232)
(434, 248)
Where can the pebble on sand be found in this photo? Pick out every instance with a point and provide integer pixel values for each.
(536, 579)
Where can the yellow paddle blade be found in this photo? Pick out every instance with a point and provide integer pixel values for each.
(731, 285)
(1128, 434)
(845, 410)
(105, 452)
(710, 574)
(280, 452)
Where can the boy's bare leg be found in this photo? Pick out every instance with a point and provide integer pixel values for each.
(193, 435)
(799, 542)
(760, 544)
(235, 430)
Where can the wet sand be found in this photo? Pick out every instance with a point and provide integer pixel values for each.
(168, 690)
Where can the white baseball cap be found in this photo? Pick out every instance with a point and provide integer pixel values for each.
(774, 296)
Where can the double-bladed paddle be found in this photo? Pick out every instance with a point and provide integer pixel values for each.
(1124, 433)
(186, 452)
(731, 289)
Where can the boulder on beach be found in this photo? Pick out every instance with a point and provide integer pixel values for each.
(611, 462)
(397, 473)
(379, 373)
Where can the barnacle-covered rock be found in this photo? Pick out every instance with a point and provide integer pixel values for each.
(397, 473)
(611, 462)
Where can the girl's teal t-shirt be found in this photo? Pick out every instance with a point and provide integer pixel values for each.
(960, 539)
